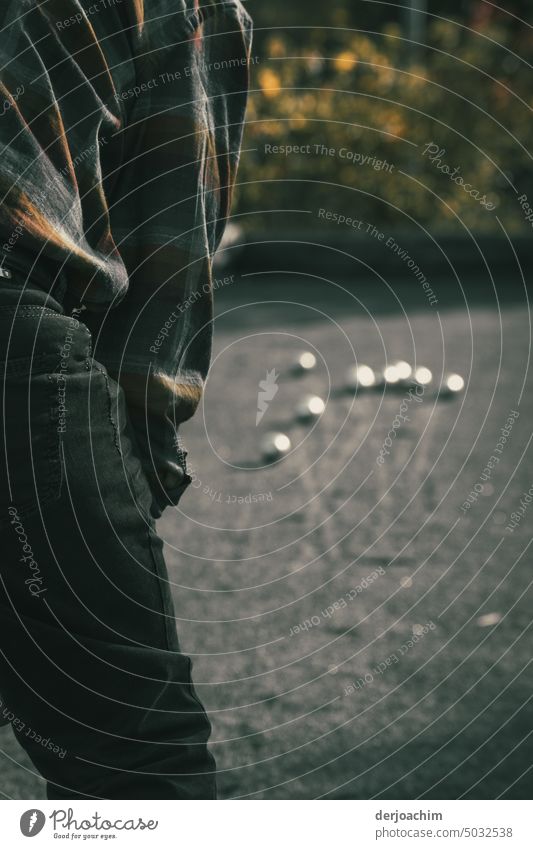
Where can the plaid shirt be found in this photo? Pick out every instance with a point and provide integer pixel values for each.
(120, 131)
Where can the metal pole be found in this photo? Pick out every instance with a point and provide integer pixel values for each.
(416, 24)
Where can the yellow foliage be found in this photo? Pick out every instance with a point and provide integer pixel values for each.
(417, 77)
(270, 82)
(276, 47)
(298, 123)
(392, 30)
(345, 61)
(395, 125)
(393, 97)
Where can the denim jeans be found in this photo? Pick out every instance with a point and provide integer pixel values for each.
(91, 673)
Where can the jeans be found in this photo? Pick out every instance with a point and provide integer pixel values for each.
(91, 673)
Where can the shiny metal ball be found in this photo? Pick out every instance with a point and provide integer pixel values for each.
(404, 371)
(305, 362)
(310, 407)
(453, 385)
(274, 446)
(390, 373)
(361, 377)
(422, 376)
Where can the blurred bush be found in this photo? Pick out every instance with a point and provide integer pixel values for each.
(322, 80)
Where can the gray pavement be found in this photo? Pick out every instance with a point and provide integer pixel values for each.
(410, 678)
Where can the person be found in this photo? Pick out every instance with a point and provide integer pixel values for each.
(120, 128)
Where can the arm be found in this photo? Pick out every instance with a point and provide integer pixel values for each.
(169, 208)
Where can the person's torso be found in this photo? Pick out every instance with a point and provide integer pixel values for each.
(63, 65)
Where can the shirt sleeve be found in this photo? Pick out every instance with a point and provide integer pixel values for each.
(169, 206)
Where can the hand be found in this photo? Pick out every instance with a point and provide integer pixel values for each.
(167, 487)
(173, 477)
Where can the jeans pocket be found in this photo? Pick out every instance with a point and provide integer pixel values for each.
(40, 350)
(124, 437)
(30, 444)
(33, 409)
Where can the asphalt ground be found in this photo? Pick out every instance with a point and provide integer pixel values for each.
(356, 631)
